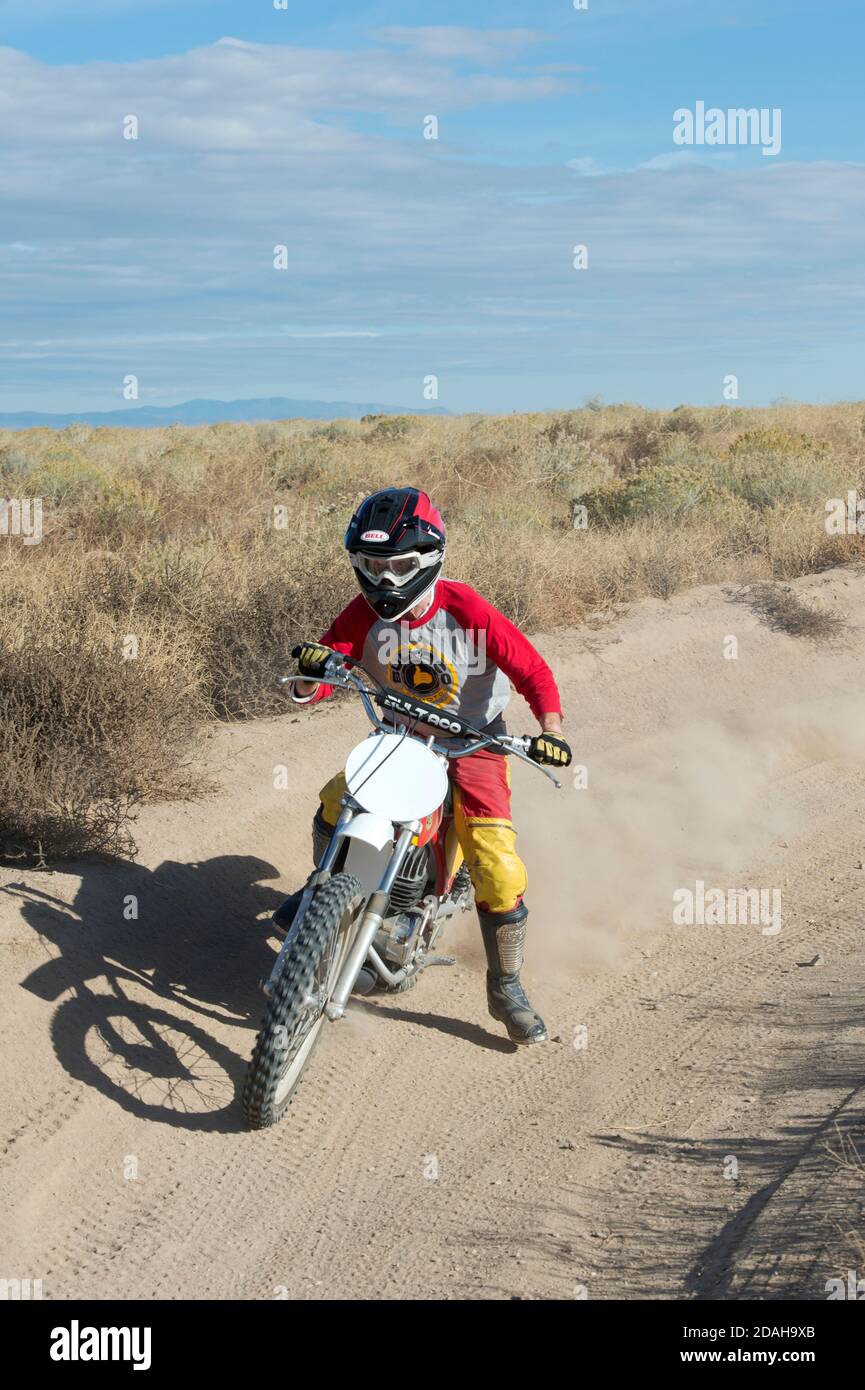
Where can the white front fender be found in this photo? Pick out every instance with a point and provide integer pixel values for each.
(373, 830)
(370, 849)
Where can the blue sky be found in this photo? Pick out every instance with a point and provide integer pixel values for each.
(411, 257)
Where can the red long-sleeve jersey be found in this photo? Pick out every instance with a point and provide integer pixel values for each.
(462, 655)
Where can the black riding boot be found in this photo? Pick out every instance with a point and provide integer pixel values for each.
(321, 833)
(504, 934)
(285, 913)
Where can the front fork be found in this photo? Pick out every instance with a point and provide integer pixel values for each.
(370, 923)
(369, 926)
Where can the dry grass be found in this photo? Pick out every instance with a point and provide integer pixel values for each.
(218, 547)
(849, 1156)
(782, 610)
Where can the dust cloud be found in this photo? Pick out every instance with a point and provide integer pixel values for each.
(711, 799)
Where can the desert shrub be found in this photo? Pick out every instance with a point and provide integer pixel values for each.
(337, 432)
(797, 542)
(776, 441)
(169, 534)
(668, 491)
(13, 465)
(606, 504)
(242, 608)
(651, 436)
(109, 519)
(569, 466)
(680, 448)
(782, 609)
(388, 428)
(682, 420)
(66, 475)
(640, 443)
(571, 425)
(88, 735)
(771, 467)
(299, 459)
(180, 469)
(78, 808)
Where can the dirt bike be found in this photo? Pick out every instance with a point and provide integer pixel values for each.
(373, 909)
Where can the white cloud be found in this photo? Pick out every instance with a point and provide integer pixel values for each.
(587, 166)
(486, 46)
(156, 256)
(236, 95)
(679, 159)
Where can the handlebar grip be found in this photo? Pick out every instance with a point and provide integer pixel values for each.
(344, 660)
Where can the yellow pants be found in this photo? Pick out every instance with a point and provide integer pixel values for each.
(488, 841)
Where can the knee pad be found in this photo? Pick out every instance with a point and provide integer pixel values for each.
(498, 873)
(330, 797)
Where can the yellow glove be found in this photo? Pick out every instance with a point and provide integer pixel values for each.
(551, 749)
(311, 659)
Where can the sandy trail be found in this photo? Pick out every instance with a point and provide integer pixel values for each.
(684, 1151)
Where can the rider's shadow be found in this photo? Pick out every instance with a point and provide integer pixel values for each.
(194, 934)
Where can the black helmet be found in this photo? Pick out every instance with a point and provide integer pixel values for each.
(396, 542)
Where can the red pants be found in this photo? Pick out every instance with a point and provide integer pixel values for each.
(482, 818)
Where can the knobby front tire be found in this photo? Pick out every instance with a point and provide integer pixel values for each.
(295, 1012)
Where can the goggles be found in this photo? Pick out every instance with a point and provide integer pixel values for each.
(394, 569)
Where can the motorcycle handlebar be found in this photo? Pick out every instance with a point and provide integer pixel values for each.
(515, 744)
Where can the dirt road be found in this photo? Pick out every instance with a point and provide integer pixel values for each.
(673, 1140)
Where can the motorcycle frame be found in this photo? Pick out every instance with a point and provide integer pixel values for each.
(362, 948)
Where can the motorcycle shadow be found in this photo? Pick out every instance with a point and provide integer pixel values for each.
(151, 1062)
(159, 969)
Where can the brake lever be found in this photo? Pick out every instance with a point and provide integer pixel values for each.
(312, 680)
(517, 746)
(545, 770)
(547, 773)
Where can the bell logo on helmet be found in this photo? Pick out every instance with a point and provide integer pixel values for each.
(375, 536)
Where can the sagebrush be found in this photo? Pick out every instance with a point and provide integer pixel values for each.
(179, 566)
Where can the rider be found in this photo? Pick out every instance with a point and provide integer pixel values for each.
(440, 641)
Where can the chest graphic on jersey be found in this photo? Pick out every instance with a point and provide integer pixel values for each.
(424, 672)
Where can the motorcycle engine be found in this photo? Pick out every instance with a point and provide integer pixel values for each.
(396, 940)
(411, 881)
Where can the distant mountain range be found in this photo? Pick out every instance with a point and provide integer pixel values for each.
(210, 413)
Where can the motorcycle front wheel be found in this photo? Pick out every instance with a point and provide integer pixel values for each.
(295, 1012)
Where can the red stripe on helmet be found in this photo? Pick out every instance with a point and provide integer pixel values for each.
(425, 510)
